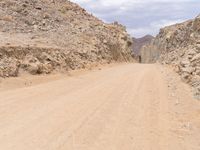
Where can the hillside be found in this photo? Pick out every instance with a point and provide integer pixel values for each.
(43, 36)
(140, 42)
(179, 46)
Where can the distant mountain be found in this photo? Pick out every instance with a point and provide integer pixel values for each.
(139, 42)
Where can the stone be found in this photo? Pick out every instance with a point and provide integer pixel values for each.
(33, 69)
(196, 57)
(185, 75)
(185, 63)
(188, 70)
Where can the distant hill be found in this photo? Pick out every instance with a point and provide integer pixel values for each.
(139, 42)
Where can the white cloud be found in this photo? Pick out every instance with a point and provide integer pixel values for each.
(163, 23)
(152, 28)
(142, 16)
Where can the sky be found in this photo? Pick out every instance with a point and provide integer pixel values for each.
(142, 17)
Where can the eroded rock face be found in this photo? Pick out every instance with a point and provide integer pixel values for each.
(149, 53)
(179, 46)
(42, 36)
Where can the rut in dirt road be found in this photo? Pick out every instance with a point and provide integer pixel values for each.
(129, 106)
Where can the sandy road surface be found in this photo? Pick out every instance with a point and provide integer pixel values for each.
(125, 107)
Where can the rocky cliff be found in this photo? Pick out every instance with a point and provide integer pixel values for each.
(179, 46)
(43, 36)
(150, 53)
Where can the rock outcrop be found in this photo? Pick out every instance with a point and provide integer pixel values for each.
(179, 46)
(42, 36)
(150, 53)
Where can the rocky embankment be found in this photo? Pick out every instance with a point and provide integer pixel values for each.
(179, 46)
(43, 36)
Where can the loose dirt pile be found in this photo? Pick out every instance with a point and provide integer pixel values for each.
(42, 36)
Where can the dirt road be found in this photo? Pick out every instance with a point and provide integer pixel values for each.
(125, 107)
